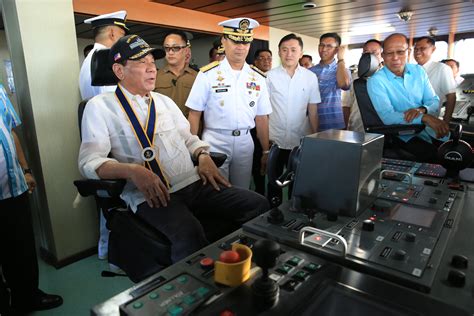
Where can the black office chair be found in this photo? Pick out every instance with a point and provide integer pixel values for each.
(135, 246)
(368, 65)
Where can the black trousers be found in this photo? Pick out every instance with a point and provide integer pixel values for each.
(273, 189)
(422, 150)
(17, 252)
(258, 179)
(179, 220)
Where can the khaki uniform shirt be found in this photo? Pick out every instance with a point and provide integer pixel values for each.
(177, 88)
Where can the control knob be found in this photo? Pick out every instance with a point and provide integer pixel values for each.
(459, 261)
(456, 278)
(410, 237)
(368, 225)
(275, 216)
(400, 254)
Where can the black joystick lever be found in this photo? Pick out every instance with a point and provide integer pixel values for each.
(275, 216)
(265, 291)
(310, 212)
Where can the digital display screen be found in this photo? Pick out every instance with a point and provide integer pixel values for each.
(412, 215)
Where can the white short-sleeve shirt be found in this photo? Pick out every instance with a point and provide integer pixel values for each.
(230, 99)
(441, 78)
(289, 97)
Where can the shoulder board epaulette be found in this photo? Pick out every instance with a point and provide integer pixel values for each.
(259, 71)
(209, 66)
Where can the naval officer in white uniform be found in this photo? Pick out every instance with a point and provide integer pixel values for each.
(108, 29)
(233, 96)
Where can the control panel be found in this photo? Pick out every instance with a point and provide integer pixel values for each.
(407, 253)
(306, 284)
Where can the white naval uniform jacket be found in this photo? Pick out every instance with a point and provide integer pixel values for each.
(230, 99)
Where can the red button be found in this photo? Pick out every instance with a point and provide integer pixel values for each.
(226, 312)
(206, 263)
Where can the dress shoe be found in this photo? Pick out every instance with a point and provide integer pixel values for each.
(44, 301)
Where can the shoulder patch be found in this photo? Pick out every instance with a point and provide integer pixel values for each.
(209, 66)
(258, 71)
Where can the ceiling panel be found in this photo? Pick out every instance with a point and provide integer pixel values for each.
(340, 16)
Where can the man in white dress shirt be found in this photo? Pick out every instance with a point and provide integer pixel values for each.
(234, 99)
(108, 28)
(151, 146)
(294, 95)
(440, 75)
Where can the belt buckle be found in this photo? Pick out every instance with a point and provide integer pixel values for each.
(236, 132)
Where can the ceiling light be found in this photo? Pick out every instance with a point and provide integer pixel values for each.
(433, 31)
(405, 14)
(309, 5)
(370, 29)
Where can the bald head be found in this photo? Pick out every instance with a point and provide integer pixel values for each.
(395, 53)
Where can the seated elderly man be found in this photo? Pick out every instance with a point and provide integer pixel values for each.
(402, 94)
(151, 145)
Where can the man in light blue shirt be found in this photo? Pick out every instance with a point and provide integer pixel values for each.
(402, 94)
(18, 262)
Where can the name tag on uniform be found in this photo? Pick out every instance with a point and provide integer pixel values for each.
(221, 90)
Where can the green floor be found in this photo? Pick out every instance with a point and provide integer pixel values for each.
(81, 286)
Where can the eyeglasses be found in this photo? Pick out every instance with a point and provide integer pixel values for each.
(264, 58)
(175, 49)
(399, 53)
(324, 46)
(421, 49)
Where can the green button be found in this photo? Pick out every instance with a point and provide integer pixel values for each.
(301, 275)
(202, 291)
(168, 287)
(182, 279)
(137, 305)
(189, 299)
(284, 269)
(312, 267)
(153, 296)
(175, 310)
(294, 261)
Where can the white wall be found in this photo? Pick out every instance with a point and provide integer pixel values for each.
(46, 66)
(200, 50)
(81, 44)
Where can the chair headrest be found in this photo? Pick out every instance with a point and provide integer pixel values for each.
(101, 70)
(368, 65)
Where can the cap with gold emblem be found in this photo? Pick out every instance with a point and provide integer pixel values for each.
(115, 18)
(239, 29)
(132, 47)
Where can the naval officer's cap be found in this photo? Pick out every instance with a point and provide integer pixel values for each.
(239, 30)
(115, 18)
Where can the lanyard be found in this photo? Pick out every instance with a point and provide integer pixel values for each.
(145, 139)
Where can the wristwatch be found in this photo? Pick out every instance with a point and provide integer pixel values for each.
(203, 152)
(27, 170)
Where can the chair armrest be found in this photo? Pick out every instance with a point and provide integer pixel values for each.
(102, 188)
(399, 129)
(218, 158)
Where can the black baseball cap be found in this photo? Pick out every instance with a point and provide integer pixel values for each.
(133, 47)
